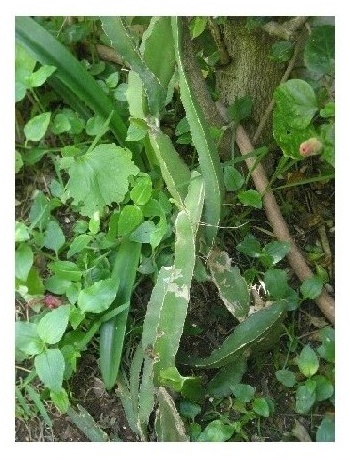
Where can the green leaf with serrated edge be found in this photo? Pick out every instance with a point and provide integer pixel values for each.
(240, 109)
(286, 377)
(57, 285)
(85, 422)
(205, 146)
(142, 190)
(276, 283)
(36, 127)
(307, 361)
(24, 66)
(233, 179)
(136, 132)
(189, 410)
(79, 244)
(27, 338)
(229, 375)
(23, 261)
(232, 286)
(43, 45)
(129, 219)
(281, 51)
(49, 366)
(175, 172)
(98, 297)
(34, 282)
(168, 424)
(305, 397)
(311, 287)
(54, 237)
(326, 430)
(135, 375)
(66, 270)
(51, 327)
(21, 232)
(243, 392)
(60, 399)
(250, 198)
(121, 39)
(261, 407)
(143, 233)
(277, 250)
(319, 52)
(157, 49)
(246, 336)
(123, 393)
(100, 177)
(250, 246)
(324, 388)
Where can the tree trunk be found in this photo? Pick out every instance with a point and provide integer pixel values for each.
(250, 72)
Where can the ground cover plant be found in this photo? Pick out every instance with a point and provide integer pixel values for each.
(175, 229)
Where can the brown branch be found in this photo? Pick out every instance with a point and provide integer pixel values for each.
(325, 302)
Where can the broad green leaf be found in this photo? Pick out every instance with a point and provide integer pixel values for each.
(202, 140)
(43, 45)
(57, 285)
(142, 190)
(247, 335)
(65, 269)
(136, 131)
(54, 236)
(277, 250)
(233, 179)
(326, 430)
(39, 77)
(221, 384)
(100, 177)
(324, 388)
(281, 51)
(36, 127)
(23, 261)
(49, 366)
(232, 286)
(243, 392)
(79, 244)
(198, 25)
(168, 424)
(240, 109)
(129, 219)
(297, 100)
(311, 288)
(94, 223)
(34, 155)
(27, 338)
(261, 407)
(189, 387)
(75, 315)
(189, 410)
(286, 377)
(61, 124)
(96, 126)
(144, 232)
(60, 399)
(21, 232)
(327, 349)
(34, 282)
(39, 213)
(18, 162)
(250, 246)
(216, 431)
(98, 297)
(24, 66)
(250, 198)
(308, 362)
(319, 52)
(85, 422)
(328, 111)
(135, 96)
(52, 326)
(304, 399)
(121, 39)
(276, 283)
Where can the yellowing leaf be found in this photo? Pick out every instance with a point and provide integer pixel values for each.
(100, 177)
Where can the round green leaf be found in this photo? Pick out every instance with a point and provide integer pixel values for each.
(276, 283)
(250, 198)
(18, 161)
(98, 297)
(281, 51)
(51, 327)
(39, 77)
(189, 410)
(216, 431)
(286, 377)
(250, 246)
(36, 127)
(308, 362)
(54, 237)
(57, 285)
(261, 407)
(144, 232)
(326, 430)
(78, 244)
(304, 399)
(324, 388)
(21, 232)
(277, 250)
(49, 366)
(311, 287)
(327, 349)
(27, 338)
(319, 50)
(243, 392)
(61, 123)
(23, 261)
(66, 270)
(233, 179)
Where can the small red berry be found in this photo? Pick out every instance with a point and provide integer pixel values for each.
(51, 301)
